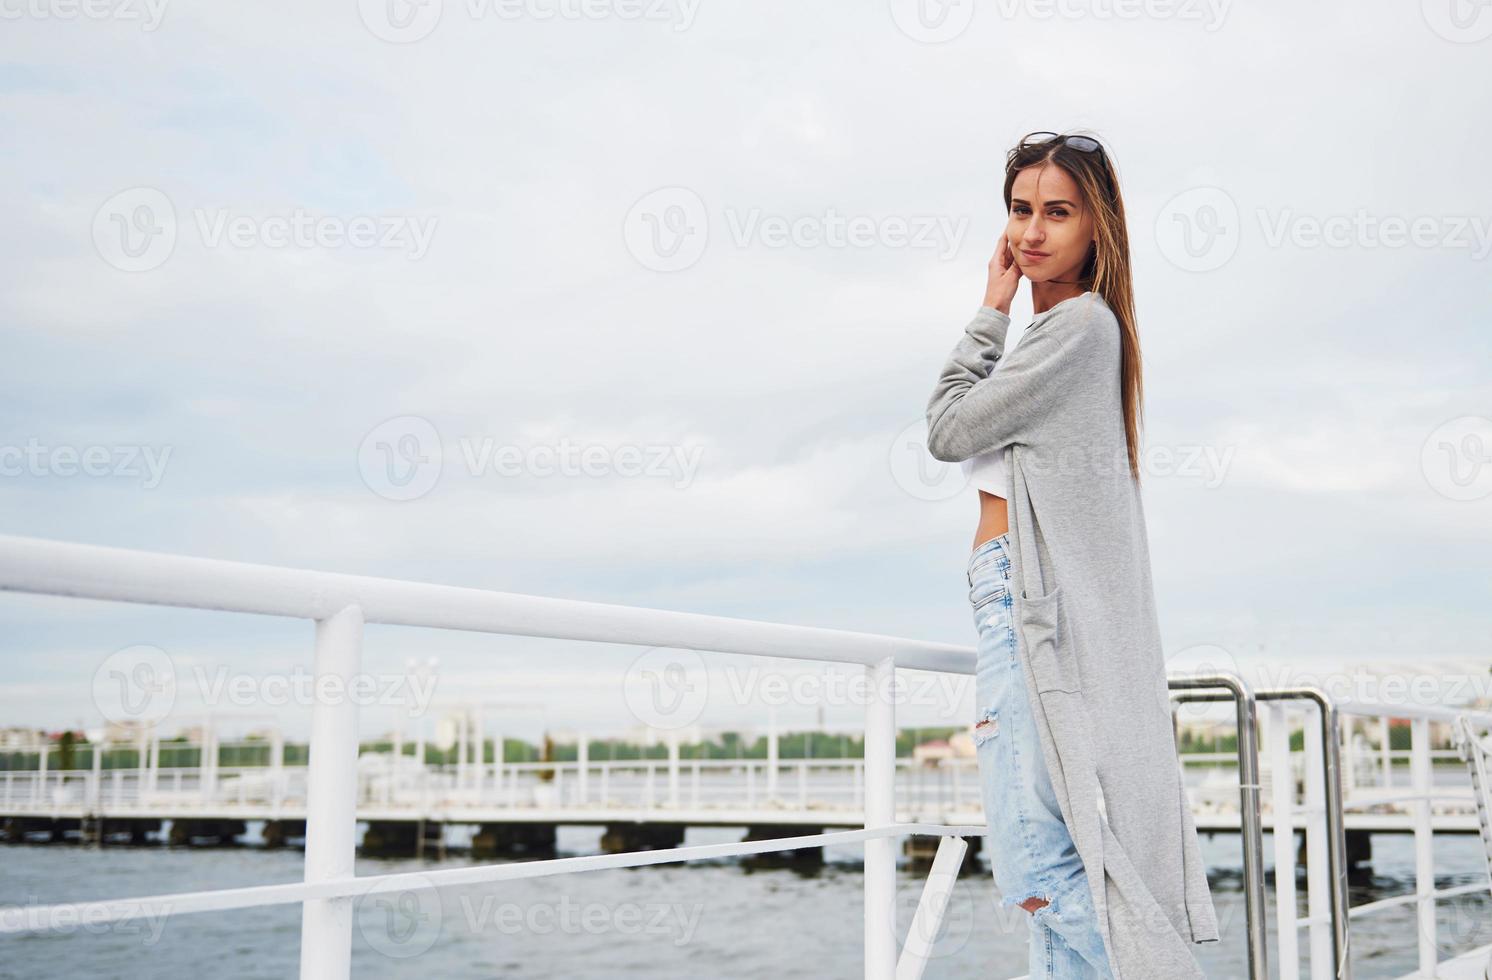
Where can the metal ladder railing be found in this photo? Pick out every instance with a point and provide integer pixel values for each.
(1324, 770)
(1478, 757)
(1477, 754)
(1225, 686)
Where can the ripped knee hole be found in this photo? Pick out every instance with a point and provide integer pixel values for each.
(987, 726)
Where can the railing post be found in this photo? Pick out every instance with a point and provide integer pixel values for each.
(1424, 853)
(96, 796)
(500, 777)
(880, 810)
(772, 754)
(207, 772)
(1250, 820)
(1282, 779)
(331, 800)
(1385, 748)
(461, 750)
(1319, 893)
(582, 774)
(673, 768)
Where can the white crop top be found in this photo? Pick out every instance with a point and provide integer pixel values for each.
(991, 471)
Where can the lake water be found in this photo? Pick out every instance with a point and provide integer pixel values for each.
(718, 918)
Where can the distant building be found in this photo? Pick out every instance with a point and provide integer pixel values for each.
(647, 736)
(1205, 729)
(933, 752)
(124, 731)
(962, 744)
(21, 738)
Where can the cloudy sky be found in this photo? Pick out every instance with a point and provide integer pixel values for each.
(642, 303)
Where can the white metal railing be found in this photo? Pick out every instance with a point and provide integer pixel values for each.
(390, 785)
(340, 606)
(1328, 909)
(1422, 792)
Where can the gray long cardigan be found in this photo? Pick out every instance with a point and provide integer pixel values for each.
(1086, 621)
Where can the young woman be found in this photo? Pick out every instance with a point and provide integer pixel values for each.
(1089, 828)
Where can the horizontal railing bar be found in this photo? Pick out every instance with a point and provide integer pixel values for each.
(1377, 799)
(1363, 708)
(1368, 908)
(45, 567)
(1311, 920)
(15, 919)
(1431, 712)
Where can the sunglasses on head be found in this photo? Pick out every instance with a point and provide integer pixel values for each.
(1084, 143)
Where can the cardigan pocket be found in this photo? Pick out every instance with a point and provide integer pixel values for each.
(1044, 623)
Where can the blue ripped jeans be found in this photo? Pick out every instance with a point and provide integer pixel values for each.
(1030, 848)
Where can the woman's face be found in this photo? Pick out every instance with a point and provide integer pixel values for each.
(1049, 229)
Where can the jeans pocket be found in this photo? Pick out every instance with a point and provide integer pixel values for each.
(987, 590)
(1048, 643)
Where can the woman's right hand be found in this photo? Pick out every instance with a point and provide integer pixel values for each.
(1004, 276)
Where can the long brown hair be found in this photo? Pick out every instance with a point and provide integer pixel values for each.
(1106, 270)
